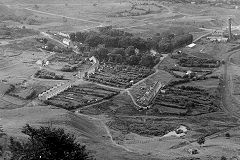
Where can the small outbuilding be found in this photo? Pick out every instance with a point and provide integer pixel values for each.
(191, 45)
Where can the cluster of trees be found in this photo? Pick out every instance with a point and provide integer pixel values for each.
(52, 47)
(110, 38)
(165, 41)
(126, 56)
(43, 73)
(119, 46)
(49, 144)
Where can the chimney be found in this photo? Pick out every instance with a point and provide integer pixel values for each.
(230, 28)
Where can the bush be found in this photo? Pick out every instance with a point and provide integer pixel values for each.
(227, 135)
(223, 158)
(49, 144)
(201, 140)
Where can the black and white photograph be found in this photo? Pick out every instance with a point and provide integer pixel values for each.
(119, 79)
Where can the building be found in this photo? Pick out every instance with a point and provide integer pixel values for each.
(67, 41)
(64, 35)
(218, 33)
(39, 62)
(191, 45)
(218, 39)
(93, 59)
(153, 52)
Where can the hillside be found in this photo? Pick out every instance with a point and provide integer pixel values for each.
(6, 13)
(87, 131)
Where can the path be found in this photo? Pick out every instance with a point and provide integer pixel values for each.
(229, 102)
(58, 15)
(6, 42)
(106, 128)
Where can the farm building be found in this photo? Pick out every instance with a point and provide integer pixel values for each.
(93, 59)
(67, 41)
(218, 33)
(64, 35)
(153, 52)
(216, 38)
(191, 45)
(39, 62)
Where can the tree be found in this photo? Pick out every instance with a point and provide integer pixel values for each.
(49, 144)
(119, 51)
(227, 135)
(81, 36)
(50, 46)
(102, 53)
(72, 36)
(223, 158)
(189, 106)
(118, 58)
(130, 51)
(201, 140)
(124, 42)
(165, 46)
(93, 40)
(134, 60)
(81, 47)
(147, 61)
(182, 40)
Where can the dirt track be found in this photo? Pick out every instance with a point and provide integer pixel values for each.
(230, 104)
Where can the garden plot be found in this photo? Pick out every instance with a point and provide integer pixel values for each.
(71, 58)
(186, 100)
(122, 76)
(78, 96)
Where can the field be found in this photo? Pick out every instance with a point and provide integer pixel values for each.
(79, 96)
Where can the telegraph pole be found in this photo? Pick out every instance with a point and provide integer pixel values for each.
(230, 28)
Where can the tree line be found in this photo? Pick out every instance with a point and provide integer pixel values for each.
(118, 46)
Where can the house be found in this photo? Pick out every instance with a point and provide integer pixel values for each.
(93, 59)
(216, 38)
(153, 52)
(39, 62)
(191, 45)
(66, 41)
(218, 33)
(64, 35)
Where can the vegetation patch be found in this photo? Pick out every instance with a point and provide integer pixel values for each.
(186, 100)
(79, 96)
(119, 75)
(141, 127)
(44, 74)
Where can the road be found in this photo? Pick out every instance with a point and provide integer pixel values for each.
(230, 104)
(58, 15)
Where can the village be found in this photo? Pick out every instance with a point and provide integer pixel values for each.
(132, 80)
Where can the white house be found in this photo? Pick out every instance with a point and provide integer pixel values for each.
(218, 33)
(191, 45)
(64, 35)
(219, 39)
(39, 62)
(66, 41)
(93, 59)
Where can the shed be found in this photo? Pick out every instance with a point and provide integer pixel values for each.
(66, 41)
(191, 45)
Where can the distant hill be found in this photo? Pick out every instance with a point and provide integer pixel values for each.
(7, 13)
